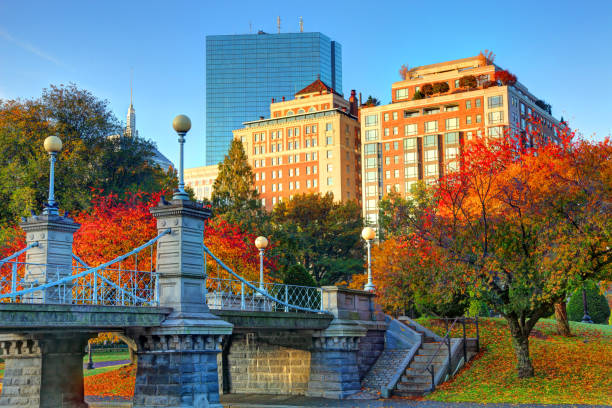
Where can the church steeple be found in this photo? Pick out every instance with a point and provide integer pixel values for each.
(130, 130)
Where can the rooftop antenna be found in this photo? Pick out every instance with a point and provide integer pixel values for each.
(301, 25)
(250, 27)
(278, 23)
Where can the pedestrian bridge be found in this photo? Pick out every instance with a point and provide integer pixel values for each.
(197, 327)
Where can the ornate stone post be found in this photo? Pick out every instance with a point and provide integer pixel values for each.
(177, 362)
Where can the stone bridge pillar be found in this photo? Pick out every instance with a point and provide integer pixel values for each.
(52, 258)
(177, 362)
(43, 370)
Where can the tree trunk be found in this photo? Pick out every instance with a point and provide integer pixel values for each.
(520, 341)
(563, 327)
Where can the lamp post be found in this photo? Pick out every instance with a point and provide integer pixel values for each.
(585, 318)
(181, 125)
(90, 364)
(368, 234)
(53, 145)
(261, 243)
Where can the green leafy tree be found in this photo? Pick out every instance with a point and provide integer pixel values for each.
(371, 101)
(398, 215)
(597, 305)
(89, 160)
(320, 234)
(233, 196)
(417, 95)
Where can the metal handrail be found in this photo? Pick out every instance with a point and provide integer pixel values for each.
(256, 289)
(429, 366)
(16, 254)
(88, 271)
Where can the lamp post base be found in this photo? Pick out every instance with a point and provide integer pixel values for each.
(586, 319)
(369, 287)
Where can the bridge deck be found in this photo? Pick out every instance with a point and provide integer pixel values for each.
(245, 320)
(21, 317)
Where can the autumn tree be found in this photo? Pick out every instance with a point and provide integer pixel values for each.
(320, 234)
(427, 89)
(468, 81)
(397, 215)
(505, 77)
(493, 223)
(403, 71)
(234, 197)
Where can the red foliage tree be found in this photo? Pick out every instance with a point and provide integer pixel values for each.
(505, 77)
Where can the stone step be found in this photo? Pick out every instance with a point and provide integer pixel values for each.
(433, 345)
(413, 387)
(421, 366)
(408, 394)
(417, 378)
(439, 358)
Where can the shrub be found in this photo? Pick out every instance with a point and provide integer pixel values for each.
(453, 306)
(417, 95)
(441, 87)
(597, 305)
(298, 275)
(468, 81)
(478, 308)
(427, 89)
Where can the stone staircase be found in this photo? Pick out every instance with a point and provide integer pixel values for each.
(383, 369)
(416, 379)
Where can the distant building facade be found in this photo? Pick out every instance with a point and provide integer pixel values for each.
(243, 73)
(201, 180)
(414, 139)
(310, 144)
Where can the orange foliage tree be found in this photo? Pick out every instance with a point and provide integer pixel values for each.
(520, 222)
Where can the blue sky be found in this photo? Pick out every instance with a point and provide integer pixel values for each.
(561, 50)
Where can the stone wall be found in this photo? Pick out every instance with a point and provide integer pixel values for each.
(268, 363)
(370, 348)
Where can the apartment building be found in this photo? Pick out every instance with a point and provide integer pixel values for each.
(310, 144)
(201, 180)
(419, 135)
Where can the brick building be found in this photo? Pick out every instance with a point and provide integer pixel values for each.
(415, 138)
(310, 144)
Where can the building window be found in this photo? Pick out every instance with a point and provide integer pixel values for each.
(263, 189)
(386, 131)
(495, 131)
(496, 117)
(452, 108)
(396, 159)
(431, 170)
(371, 134)
(370, 148)
(297, 185)
(451, 153)
(410, 143)
(308, 183)
(395, 130)
(431, 126)
(410, 129)
(451, 138)
(477, 103)
(468, 104)
(452, 123)
(468, 120)
(307, 130)
(370, 204)
(370, 176)
(371, 120)
(408, 186)
(496, 101)
(371, 191)
(410, 114)
(395, 145)
(478, 118)
(329, 140)
(328, 127)
(314, 128)
(371, 163)
(410, 172)
(387, 160)
(394, 115)
(314, 169)
(387, 146)
(296, 132)
(291, 185)
(431, 111)
(329, 168)
(386, 117)
(410, 157)
(388, 174)
(431, 155)
(401, 93)
(396, 173)
(431, 140)
(307, 169)
(330, 181)
(314, 182)
(289, 132)
(456, 83)
(290, 172)
(452, 166)
(329, 154)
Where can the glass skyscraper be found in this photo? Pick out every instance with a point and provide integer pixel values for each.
(244, 73)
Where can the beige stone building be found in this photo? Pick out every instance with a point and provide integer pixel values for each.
(310, 144)
(420, 137)
(201, 180)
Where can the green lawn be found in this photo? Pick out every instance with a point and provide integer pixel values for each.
(87, 373)
(574, 370)
(107, 356)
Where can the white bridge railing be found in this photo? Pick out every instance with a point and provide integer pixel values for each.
(120, 282)
(233, 292)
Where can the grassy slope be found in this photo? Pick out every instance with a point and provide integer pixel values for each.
(567, 370)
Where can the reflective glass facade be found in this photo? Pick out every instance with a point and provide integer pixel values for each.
(244, 73)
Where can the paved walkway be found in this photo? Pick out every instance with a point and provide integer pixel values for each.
(101, 364)
(279, 401)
